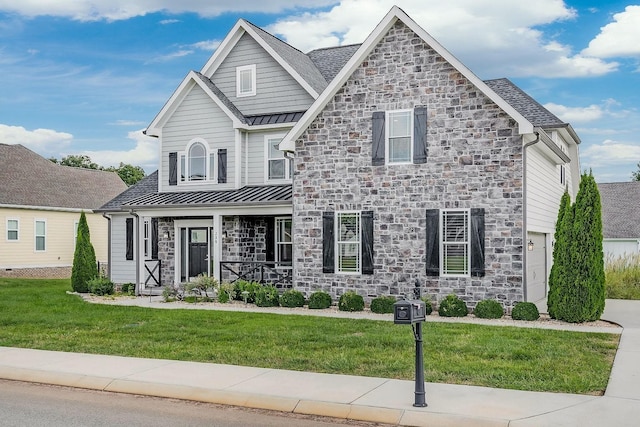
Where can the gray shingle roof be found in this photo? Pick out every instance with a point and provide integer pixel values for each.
(28, 179)
(296, 59)
(523, 103)
(331, 60)
(247, 196)
(147, 185)
(620, 209)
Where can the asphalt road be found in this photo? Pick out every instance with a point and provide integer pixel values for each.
(35, 405)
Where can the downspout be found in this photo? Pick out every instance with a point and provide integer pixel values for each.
(524, 213)
(137, 250)
(108, 218)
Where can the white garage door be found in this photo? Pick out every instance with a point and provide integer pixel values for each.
(536, 267)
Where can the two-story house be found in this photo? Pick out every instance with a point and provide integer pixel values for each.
(368, 167)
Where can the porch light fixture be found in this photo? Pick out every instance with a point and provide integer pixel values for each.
(530, 245)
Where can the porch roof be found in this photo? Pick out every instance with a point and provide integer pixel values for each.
(250, 195)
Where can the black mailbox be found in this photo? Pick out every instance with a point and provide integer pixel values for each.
(408, 312)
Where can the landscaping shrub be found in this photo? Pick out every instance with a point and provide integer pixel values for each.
(350, 301)
(525, 311)
(452, 306)
(383, 304)
(84, 266)
(292, 298)
(241, 286)
(319, 300)
(224, 292)
(267, 296)
(100, 286)
(428, 306)
(128, 288)
(489, 309)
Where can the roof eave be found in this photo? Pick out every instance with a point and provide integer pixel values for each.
(551, 149)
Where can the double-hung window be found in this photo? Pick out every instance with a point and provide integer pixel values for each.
(40, 235)
(455, 249)
(348, 242)
(283, 241)
(13, 226)
(246, 80)
(399, 136)
(278, 166)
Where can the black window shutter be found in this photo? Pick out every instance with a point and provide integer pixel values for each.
(366, 228)
(433, 242)
(377, 132)
(328, 243)
(477, 242)
(129, 237)
(222, 166)
(420, 135)
(270, 239)
(154, 238)
(173, 168)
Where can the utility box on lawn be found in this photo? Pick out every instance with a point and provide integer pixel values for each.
(409, 312)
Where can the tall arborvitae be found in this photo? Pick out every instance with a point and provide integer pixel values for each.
(557, 277)
(580, 296)
(84, 258)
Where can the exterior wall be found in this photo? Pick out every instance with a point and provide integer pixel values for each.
(59, 240)
(122, 270)
(474, 161)
(166, 251)
(276, 90)
(256, 157)
(197, 117)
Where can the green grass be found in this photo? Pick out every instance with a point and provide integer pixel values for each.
(39, 314)
(622, 275)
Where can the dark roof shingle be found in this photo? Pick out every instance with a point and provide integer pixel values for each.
(620, 213)
(148, 184)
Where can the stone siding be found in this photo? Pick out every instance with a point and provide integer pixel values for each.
(474, 161)
(37, 272)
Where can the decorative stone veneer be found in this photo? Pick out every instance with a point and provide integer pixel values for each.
(474, 161)
(37, 272)
(166, 251)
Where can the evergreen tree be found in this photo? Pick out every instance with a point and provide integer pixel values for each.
(581, 294)
(84, 258)
(562, 238)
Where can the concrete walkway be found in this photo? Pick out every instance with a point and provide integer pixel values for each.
(359, 398)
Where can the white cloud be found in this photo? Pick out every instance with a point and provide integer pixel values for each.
(127, 123)
(38, 140)
(113, 10)
(144, 153)
(619, 38)
(169, 21)
(575, 114)
(612, 153)
(207, 45)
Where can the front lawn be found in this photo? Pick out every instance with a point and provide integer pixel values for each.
(40, 314)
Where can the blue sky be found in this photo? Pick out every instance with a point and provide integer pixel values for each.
(87, 76)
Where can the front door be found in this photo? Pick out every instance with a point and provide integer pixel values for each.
(198, 251)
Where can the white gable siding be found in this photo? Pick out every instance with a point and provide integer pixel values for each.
(122, 270)
(276, 90)
(198, 116)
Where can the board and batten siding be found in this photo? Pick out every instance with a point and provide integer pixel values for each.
(59, 238)
(198, 116)
(276, 90)
(122, 270)
(544, 191)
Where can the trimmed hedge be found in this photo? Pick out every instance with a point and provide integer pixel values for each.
(319, 300)
(267, 296)
(525, 311)
(351, 301)
(452, 306)
(489, 309)
(292, 298)
(383, 304)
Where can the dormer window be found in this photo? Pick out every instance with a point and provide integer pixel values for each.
(246, 80)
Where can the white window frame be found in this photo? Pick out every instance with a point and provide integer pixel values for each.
(563, 168)
(210, 171)
(278, 241)
(17, 230)
(340, 243)
(146, 238)
(240, 71)
(36, 235)
(270, 140)
(387, 137)
(445, 243)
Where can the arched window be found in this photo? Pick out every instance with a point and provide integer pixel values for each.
(197, 162)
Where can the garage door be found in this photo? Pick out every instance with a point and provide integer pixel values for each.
(536, 267)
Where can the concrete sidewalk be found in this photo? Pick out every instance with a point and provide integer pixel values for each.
(359, 398)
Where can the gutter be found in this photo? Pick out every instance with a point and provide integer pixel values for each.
(137, 250)
(524, 212)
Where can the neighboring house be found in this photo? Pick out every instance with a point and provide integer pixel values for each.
(40, 206)
(368, 167)
(620, 218)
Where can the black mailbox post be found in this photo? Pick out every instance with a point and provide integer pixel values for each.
(413, 313)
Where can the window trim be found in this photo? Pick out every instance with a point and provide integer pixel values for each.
(35, 234)
(388, 121)
(17, 230)
(288, 164)
(338, 242)
(146, 238)
(443, 243)
(279, 220)
(211, 174)
(239, 72)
